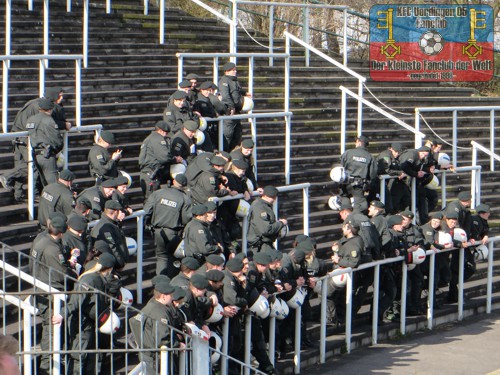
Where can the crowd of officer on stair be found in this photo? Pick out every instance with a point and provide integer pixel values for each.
(199, 262)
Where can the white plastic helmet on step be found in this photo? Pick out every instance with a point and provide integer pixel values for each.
(128, 177)
(444, 160)
(175, 169)
(339, 174)
(297, 299)
(215, 314)
(416, 257)
(199, 136)
(203, 124)
(243, 208)
(433, 184)
(108, 322)
(284, 232)
(131, 246)
(250, 186)
(180, 251)
(445, 239)
(215, 342)
(126, 298)
(247, 104)
(285, 310)
(60, 159)
(459, 235)
(481, 253)
(335, 202)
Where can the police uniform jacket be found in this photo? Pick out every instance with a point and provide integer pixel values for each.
(101, 164)
(255, 279)
(199, 241)
(413, 236)
(221, 235)
(218, 105)
(175, 117)
(196, 308)
(72, 241)
(204, 106)
(29, 109)
(109, 231)
(234, 292)
(398, 243)
(91, 304)
(350, 251)
(291, 271)
(155, 153)
(250, 171)
(369, 234)
(168, 208)
(359, 163)
(55, 197)
(262, 221)
(231, 92)
(445, 228)
(44, 132)
(464, 215)
(380, 223)
(50, 254)
(98, 200)
(388, 164)
(198, 165)
(410, 162)
(207, 185)
(180, 280)
(479, 227)
(183, 146)
(59, 116)
(152, 326)
(122, 199)
(431, 236)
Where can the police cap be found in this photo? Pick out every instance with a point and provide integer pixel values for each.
(394, 220)
(199, 209)
(190, 263)
(451, 215)
(436, 215)
(262, 258)
(396, 146)
(301, 237)
(211, 206)
(108, 137)
(102, 246)
(67, 175)
(234, 264)
(192, 76)
(206, 85)
(423, 149)
(247, 143)
(78, 223)
(121, 180)
(163, 126)
(85, 201)
(52, 93)
(274, 254)
(164, 288)
(199, 281)
(306, 246)
(178, 95)
(270, 191)
(184, 84)
(215, 275)
(111, 183)
(464, 196)
(482, 208)
(218, 161)
(377, 204)
(59, 224)
(215, 259)
(240, 164)
(299, 255)
(45, 104)
(181, 179)
(229, 66)
(113, 205)
(190, 125)
(107, 260)
(407, 213)
(364, 139)
(178, 294)
(159, 278)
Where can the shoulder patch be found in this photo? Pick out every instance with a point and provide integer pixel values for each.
(354, 253)
(263, 214)
(163, 143)
(97, 199)
(61, 259)
(85, 286)
(99, 157)
(138, 317)
(201, 231)
(232, 283)
(108, 236)
(224, 84)
(168, 113)
(212, 180)
(164, 321)
(30, 125)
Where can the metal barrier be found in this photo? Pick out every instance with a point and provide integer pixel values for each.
(475, 147)
(454, 111)
(42, 59)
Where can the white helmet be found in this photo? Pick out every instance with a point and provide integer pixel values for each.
(60, 159)
(126, 298)
(128, 177)
(411, 266)
(260, 307)
(284, 232)
(338, 281)
(109, 322)
(444, 160)
(433, 184)
(175, 169)
(445, 238)
(215, 342)
(250, 186)
(275, 308)
(199, 136)
(297, 299)
(481, 253)
(192, 330)
(338, 174)
(285, 310)
(215, 314)
(335, 202)
(203, 124)
(243, 208)
(459, 235)
(416, 257)
(247, 104)
(131, 246)
(180, 251)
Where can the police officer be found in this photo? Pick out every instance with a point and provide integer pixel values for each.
(232, 96)
(102, 164)
(189, 265)
(155, 158)
(199, 241)
(177, 112)
(461, 207)
(196, 302)
(183, 144)
(201, 163)
(360, 166)
(98, 196)
(376, 212)
(263, 228)
(480, 227)
(59, 114)
(50, 267)
(107, 229)
(205, 108)
(210, 183)
(57, 197)
(244, 152)
(75, 242)
(46, 140)
(82, 208)
(168, 211)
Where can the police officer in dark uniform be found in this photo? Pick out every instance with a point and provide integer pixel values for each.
(360, 166)
(413, 164)
(232, 96)
(57, 197)
(48, 252)
(461, 207)
(98, 196)
(199, 240)
(263, 228)
(244, 152)
(46, 140)
(155, 158)
(205, 108)
(376, 212)
(177, 112)
(479, 224)
(82, 208)
(168, 211)
(107, 229)
(201, 163)
(59, 114)
(196, 302)
(75, 242)
(183, 144)
(102, 164)
(210, 182)
(189, 265)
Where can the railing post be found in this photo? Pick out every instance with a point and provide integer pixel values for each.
(216, 70)
(489, 284)
(78, 92)
(298, 339)
(360, 108)
(225, 345)
(382, 189)
(146, 7)
(413, 195)
(345, 36)
(272, 339)
(271, 33)
(108, 6)
(322, 327)
(288, 146)
(41, 77)
(244, 244)
(430, 297)
(443, 189)
(492, 139)
(180, 69)
(286, 104)
(461, 283)
(455, 138)
(201, 356)
(348, 311)
(376, 294)
(162, 20)
(85, 33)
(343, 120)
(56, 344)
(31, 183)
(27, 326)
(253, 132)
(418, 139)
(233, 33)
(65, 149)
(5, 95)
(140, 244)
(305, 31)
(478, 185)
(8, 25)
(164, 368)
(305, 209)
(402, 313)
(221, 135)
(248, 341)
(46, 20)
